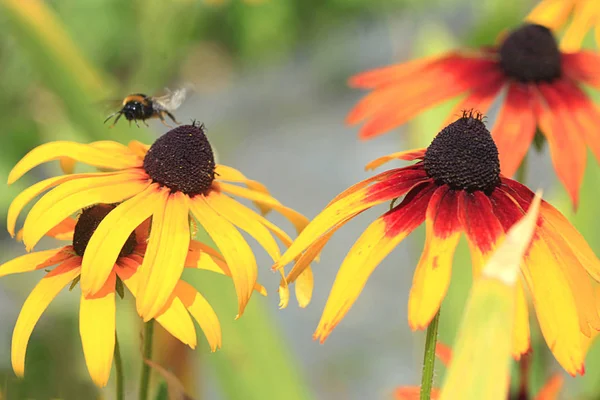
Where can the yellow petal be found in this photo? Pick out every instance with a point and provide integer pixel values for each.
(202, 312)
(80, 152)
(139, 148)
(480, 366)
(576, 241)
(551, 13)
(521, 336)
(585, 16)
(230, 174)
(165, 255)
(204, 257)
(72, 196)
(432, 275)
(67, 165)
(37, 302)
(97, 325)
(299, 220)
(108, 239)
(235, 250)
(28, 262)
(555, 306)
(304, 287)
(174, 317)
(375, 243)
(33, 191)
(245, 219)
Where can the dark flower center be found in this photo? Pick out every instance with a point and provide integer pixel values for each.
(464, 156)
(87, 224)
(531, 54)
(182, 160)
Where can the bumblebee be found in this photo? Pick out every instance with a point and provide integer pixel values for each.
(139, 107)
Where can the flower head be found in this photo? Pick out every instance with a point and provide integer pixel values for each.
(97, 311)
(555, 13)
(543, 89)
(456, 187)
(169, 182)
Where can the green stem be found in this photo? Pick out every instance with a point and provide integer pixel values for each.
(145, 378)
(429, 358)
(521, 174)
(119, 370)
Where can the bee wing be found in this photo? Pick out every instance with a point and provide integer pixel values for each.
(173, 99)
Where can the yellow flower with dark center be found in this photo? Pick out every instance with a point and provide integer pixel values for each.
(456, 187)
(543, 89)
(175, 177)
(97, 312)
(555, 13)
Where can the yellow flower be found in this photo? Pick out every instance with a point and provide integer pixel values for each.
(455, 187)
(97, 312)
(555, 13)
(169, 181)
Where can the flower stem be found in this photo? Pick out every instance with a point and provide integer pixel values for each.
(119, 370)
(145, 378)
(429, 358)
(521, 174)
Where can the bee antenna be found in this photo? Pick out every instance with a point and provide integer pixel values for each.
(198, 124)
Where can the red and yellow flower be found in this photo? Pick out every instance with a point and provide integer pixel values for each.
(456, 187)
(97, 325)
(171, 181)
(543, 89)
(549, 390)
(555, 13)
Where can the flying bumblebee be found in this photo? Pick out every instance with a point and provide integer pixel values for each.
(139, 107)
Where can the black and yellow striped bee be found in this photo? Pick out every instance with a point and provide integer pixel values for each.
(139, 107)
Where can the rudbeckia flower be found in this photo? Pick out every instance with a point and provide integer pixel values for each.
(542, 86)
(549, 390)
(456, 187)
(169, 181)
(555, 13)
(97, 325)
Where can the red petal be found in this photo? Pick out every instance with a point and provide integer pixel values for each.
(582, 67)
(515, 127)
(396, 185)
(479, 222)
(409, 214)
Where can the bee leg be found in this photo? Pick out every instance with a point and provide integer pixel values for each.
(115, 121)
(162, 119)
(136, 123)
(145, 123)
(172, 118)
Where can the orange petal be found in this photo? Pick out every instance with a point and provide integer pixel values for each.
(97, 327)
(567, 148)
(551, 388)
(384, 75)
(444, 353)
(80, 152)
(235, 250)
(37, 302)
(409, 155)
(111, 234)
(432, 275)
(376, 242)
(202, 312)
(225, 173)
(581, 67)
(165, 256)
(515, 127)
(31, 261)
(414, 393)
(299, 220)
(72, 196)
